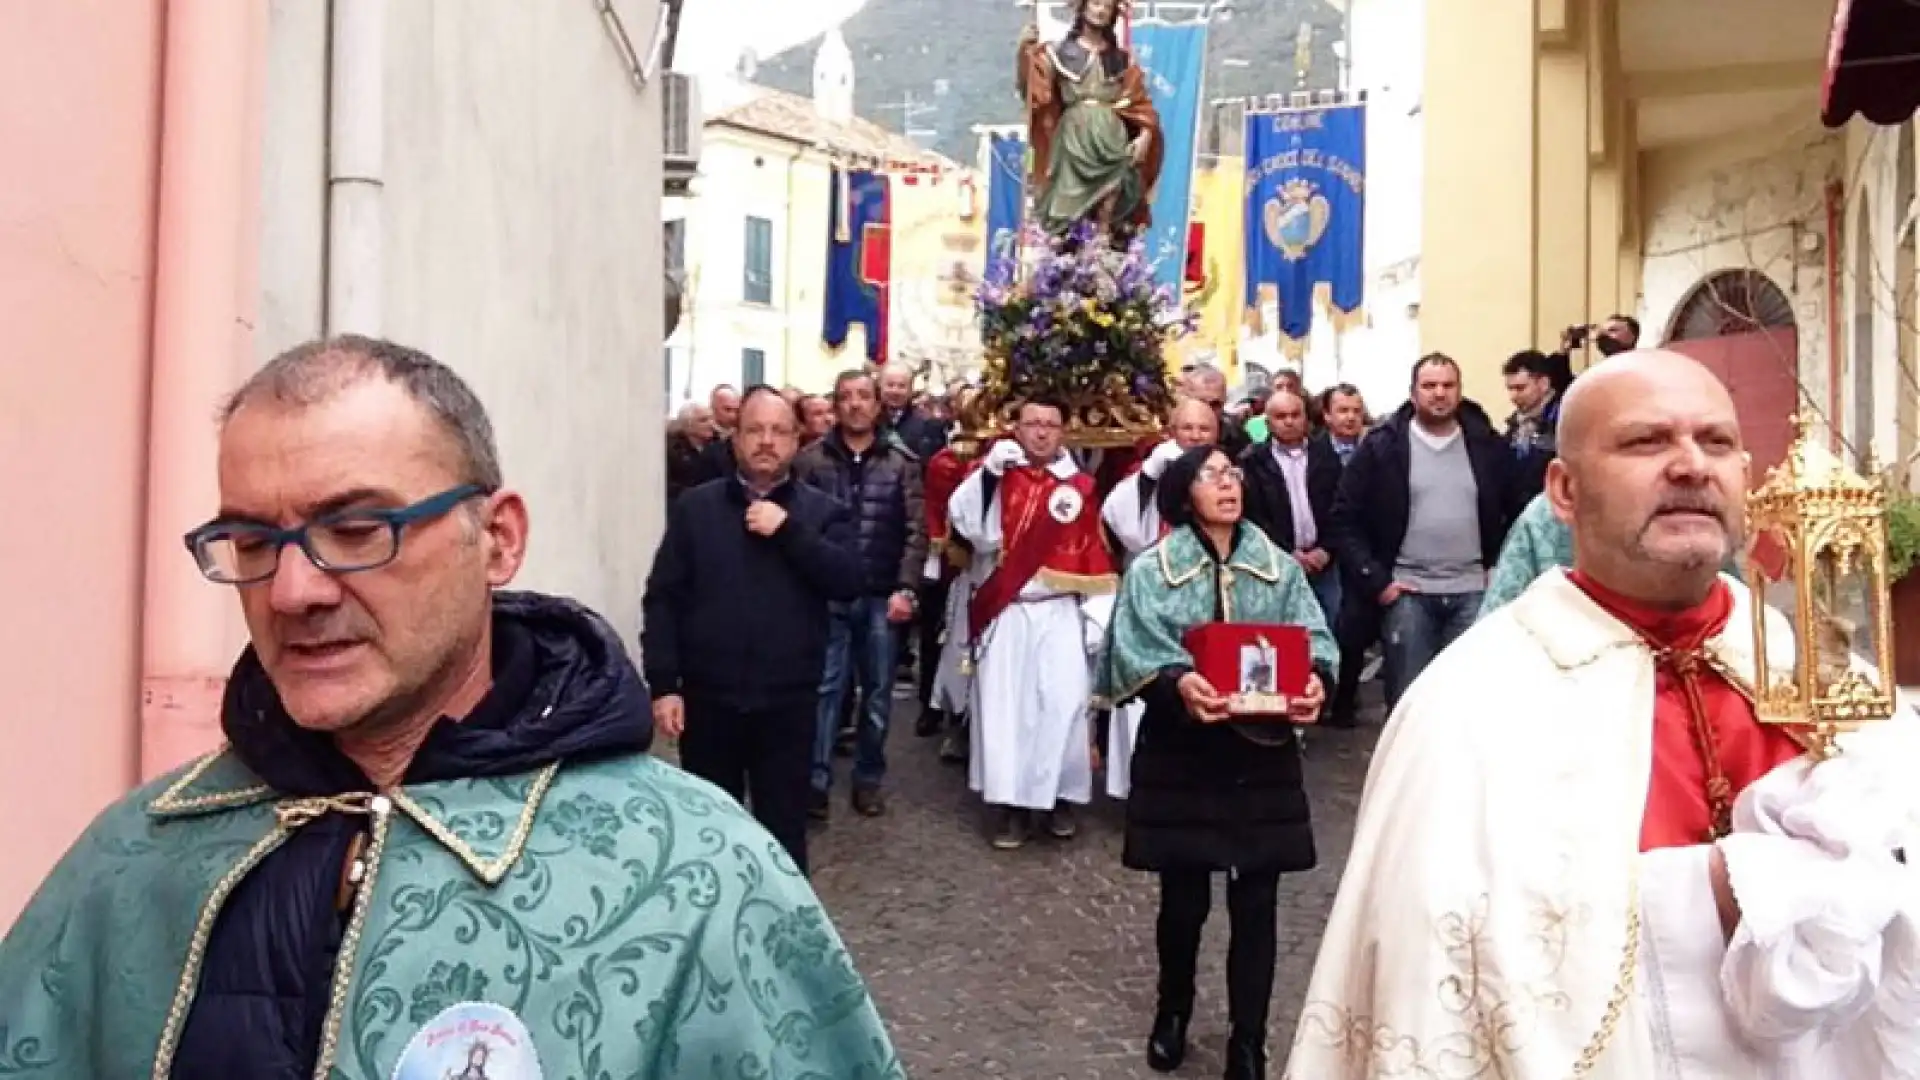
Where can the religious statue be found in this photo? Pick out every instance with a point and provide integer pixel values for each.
(1097, 146)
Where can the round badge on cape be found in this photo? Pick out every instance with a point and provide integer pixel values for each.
(1065, 505)
(474, 1040)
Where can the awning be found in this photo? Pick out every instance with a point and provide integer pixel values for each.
(1873, 62)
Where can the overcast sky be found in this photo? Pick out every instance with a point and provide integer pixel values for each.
(713, 33)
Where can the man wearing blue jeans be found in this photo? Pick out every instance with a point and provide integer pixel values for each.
(878, 479)
(1421, 510)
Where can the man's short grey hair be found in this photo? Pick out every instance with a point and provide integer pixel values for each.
(314, 372)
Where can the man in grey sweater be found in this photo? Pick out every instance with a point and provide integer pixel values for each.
(1423, 507)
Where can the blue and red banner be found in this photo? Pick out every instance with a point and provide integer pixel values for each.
(859, 260)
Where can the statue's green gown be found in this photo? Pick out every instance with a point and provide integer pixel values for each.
(1092, 156)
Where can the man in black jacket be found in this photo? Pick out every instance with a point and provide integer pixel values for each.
(1533, 426)
(1291, 480)
(918, 431)
(866, 469)
(1421, 512)
(736, 620)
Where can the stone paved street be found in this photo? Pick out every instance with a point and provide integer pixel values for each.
(1039, 964)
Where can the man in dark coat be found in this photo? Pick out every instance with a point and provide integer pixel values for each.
(1421, 512)
(1291, 480)
(866, 469)
(737, 620)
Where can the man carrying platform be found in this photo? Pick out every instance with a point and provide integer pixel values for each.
(1035, 619)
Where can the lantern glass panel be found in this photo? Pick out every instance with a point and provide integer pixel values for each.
(1770, 558)
(1845, 614)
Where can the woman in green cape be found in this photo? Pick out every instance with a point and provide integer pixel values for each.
(1209, 795)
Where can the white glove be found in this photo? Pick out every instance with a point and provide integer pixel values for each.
(1005, 454)
(1811, 865)
(1808, 954)
(1851, 804)
(1163, 455)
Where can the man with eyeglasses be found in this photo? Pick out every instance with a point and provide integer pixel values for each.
(737, 620)
(1034, 620)
(435, 814)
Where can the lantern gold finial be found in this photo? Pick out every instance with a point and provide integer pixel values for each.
(1817, 554)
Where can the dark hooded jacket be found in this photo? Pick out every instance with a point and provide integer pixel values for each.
(1369, 519)
(563, 688)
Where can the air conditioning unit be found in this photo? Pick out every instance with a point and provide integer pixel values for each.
(680, 98)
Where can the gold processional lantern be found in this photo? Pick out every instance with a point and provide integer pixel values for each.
(1817, 553)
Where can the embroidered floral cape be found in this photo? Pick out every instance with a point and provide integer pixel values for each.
(632, 917)
(1538, 542)
(1170, 588)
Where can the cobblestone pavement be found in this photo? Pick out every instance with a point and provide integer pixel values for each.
(1039, 964)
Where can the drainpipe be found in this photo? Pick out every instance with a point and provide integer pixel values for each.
(355, 167)
(203, 304)
(787, 275)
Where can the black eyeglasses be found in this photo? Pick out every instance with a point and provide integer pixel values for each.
(241, 553)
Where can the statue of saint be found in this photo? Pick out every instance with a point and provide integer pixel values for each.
(1096, 139)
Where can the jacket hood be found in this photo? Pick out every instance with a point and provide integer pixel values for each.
(563, 688)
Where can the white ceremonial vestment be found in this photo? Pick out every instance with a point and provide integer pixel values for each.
(1137, 528)
(952, 682)
(1032, 683)
(1497, 918)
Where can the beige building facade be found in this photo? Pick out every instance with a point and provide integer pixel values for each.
(1668, 161)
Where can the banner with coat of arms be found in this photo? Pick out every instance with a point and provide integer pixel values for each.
(1305, 215)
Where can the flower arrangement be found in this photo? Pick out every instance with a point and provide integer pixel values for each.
(1086, 326)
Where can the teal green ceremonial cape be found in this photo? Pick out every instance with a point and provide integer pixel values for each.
(1170, 589)
(633, 918)
(1538, 542)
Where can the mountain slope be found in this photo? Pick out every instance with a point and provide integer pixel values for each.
(953, 60)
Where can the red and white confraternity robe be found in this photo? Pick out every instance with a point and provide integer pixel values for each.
(1035, 617)
(946, 559)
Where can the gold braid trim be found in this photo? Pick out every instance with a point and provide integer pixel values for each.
(488, 870)
(1084, 584)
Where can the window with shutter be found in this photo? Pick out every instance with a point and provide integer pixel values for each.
(758, 287)
(753, 367)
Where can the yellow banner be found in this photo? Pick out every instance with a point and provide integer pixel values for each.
(1219, 197)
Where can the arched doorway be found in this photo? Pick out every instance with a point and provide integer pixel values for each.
(1741, 326)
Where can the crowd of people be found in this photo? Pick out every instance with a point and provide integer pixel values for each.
(437, 841)
(988, 573)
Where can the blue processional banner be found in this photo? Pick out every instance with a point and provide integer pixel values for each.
(859, 260)
(1174, 58)
(1006, 195)
(1306, 212)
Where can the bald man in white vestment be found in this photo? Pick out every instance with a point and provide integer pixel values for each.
(1131, 516)
(1580, 854)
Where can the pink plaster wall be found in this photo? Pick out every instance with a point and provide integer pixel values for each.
(79, 129)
